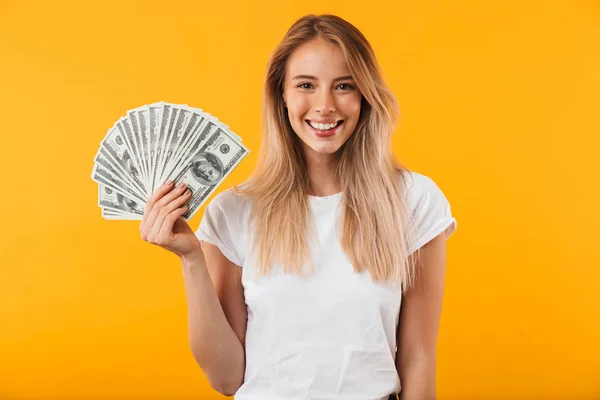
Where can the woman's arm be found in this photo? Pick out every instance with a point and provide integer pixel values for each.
(419, 322)
(216, 306)
(216, 317)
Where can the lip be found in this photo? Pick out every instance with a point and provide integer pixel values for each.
(324, 134)
(324, 121)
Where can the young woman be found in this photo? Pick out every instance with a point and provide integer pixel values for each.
(321, 276)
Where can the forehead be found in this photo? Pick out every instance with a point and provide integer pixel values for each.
(318, 58)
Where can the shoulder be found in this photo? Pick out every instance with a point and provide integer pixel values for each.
(420, 189)
(228, 210)
(429, 208)
(227, 202)
(223, 225)
(417, 183)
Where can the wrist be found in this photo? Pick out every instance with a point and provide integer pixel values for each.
(192, 258)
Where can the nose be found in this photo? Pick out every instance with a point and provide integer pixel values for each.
(325, 102)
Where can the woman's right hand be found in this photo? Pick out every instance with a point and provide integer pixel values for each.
(162, 225)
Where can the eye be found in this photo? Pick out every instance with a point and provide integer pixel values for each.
(304, 83)
(349, 87)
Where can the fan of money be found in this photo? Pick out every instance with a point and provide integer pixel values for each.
(158, 142)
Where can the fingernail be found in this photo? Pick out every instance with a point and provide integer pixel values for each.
(169, 182)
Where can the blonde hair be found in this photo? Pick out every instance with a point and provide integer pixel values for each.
(376, 227)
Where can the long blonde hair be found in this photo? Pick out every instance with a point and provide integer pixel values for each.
(376, 227)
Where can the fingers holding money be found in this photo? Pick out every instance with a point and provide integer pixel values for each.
(161, 230)
(164, 212)
(171, 215)
(162, 196)
(157, 195)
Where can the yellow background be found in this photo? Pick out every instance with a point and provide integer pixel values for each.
(500, 106)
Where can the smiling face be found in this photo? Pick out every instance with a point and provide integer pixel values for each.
(322, 100)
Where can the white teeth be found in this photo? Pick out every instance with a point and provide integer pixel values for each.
(322, 127)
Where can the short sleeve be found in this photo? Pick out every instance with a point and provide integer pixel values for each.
(218, 227)
(431, 211)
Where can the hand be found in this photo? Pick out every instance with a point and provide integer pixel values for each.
(162, 225)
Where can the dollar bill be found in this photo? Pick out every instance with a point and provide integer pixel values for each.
(114, 147)
(104, 159)
(181, 121)
(154, 112)
(196, 119)
(132, 141)
(162, 133)
(143, 115)
(115, 215)
(215, 159)
(101, 175)
(157, 142)
(110, 199)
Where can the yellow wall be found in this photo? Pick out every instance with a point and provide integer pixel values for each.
(500, 106)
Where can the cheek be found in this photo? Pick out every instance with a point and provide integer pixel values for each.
(351, 106)
(298, 104)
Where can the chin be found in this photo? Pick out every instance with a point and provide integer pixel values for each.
(327, 149)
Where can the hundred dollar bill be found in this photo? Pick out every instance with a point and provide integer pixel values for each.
(126, 132)
(173, 112)
(196, 119)
(200, 137)
(208, 167)
(162, 133)
(101, 175)
(198, 132)
(216, 120)
(155, 116)
(143, 114)
(112, 200)
(112, 213)
(181, 121)
(131, 122)
(103, 158)
(115, 215)
(161, 141)
(115, 145)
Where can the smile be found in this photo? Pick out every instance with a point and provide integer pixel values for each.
(324, 130)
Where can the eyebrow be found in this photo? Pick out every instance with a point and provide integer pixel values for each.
(341, 78)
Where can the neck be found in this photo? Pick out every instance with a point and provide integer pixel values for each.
(321, 177)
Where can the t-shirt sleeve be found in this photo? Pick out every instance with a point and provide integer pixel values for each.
(219, 229)
(431, 212)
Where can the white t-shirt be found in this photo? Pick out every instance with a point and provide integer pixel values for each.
(332, 334)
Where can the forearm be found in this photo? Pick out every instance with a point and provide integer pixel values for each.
(418, 380)
(214, 344)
